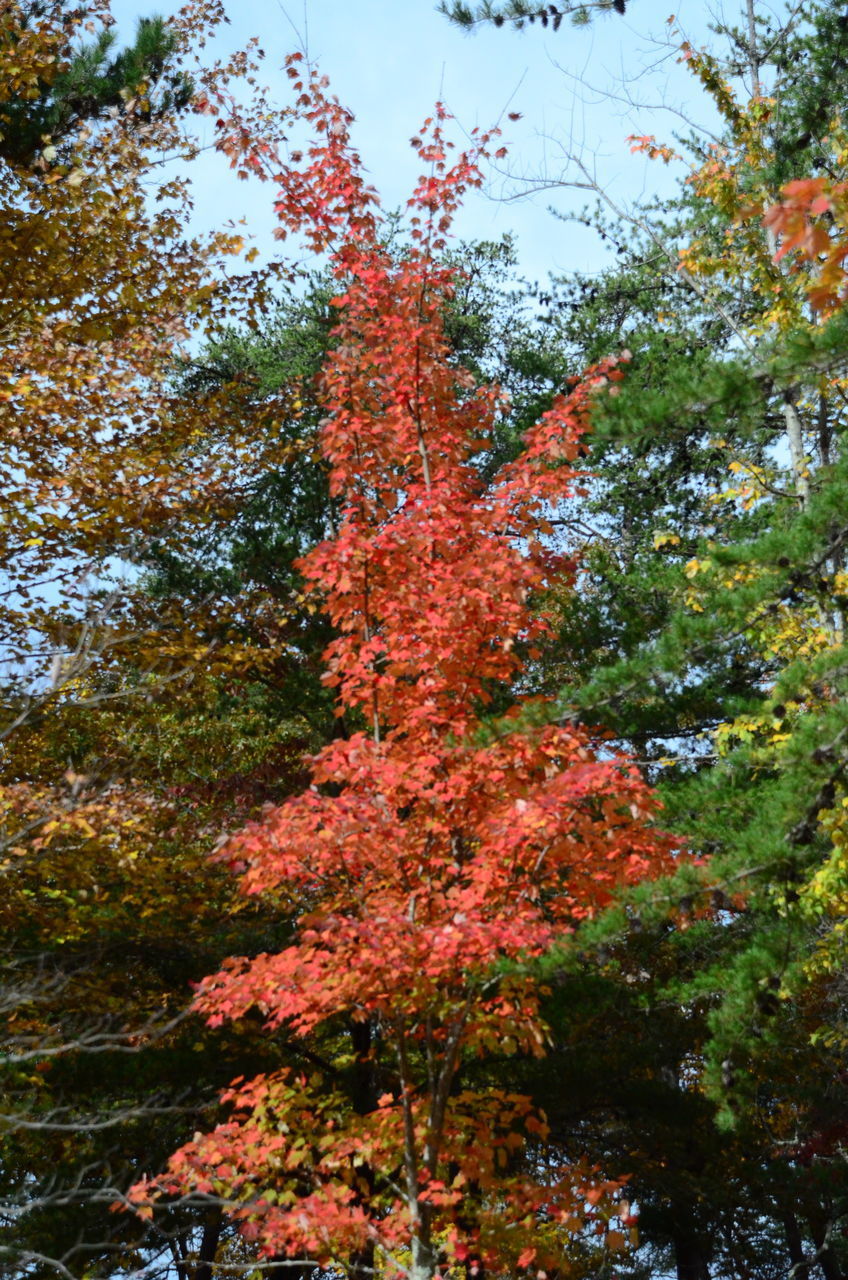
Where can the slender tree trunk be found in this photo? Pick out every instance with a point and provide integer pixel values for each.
(423, 1258)
(202, 1267)
(795, 1243)
(825, 1256)
(837, 562)
(360, 1265)
(178, 1253)
(824, 432)
(753, 50)
(795, 437)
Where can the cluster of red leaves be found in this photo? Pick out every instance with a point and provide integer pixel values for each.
(303, 1168)
(437, 857)
(422, 859)
(811, 221)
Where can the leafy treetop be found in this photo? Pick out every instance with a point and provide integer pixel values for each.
(420, 859)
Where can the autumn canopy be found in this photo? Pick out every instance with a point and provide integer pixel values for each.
(423, 859)
(425, 785)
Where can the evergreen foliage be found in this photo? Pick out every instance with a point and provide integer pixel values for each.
(93, 78)
(711, 617)
(518, 13)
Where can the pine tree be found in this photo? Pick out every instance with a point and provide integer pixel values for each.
(85, 81)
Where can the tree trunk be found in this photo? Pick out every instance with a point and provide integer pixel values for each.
(825, 1256)
(795, 437)
(208, 1245)
(423, 1260)
(691, 1259)
(363, 1096)
(795, 1243)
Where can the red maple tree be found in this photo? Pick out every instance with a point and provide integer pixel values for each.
(429, 860)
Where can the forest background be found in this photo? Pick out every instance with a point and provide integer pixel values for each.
(655, 1070)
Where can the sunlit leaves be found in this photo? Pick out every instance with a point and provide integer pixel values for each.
(419, 862)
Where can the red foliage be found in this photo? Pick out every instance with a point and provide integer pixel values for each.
(427, 861)
(811, 221)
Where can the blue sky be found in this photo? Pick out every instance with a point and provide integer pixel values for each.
(390, 60)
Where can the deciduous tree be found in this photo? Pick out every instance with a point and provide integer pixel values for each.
(421, 860)
(101, 284)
